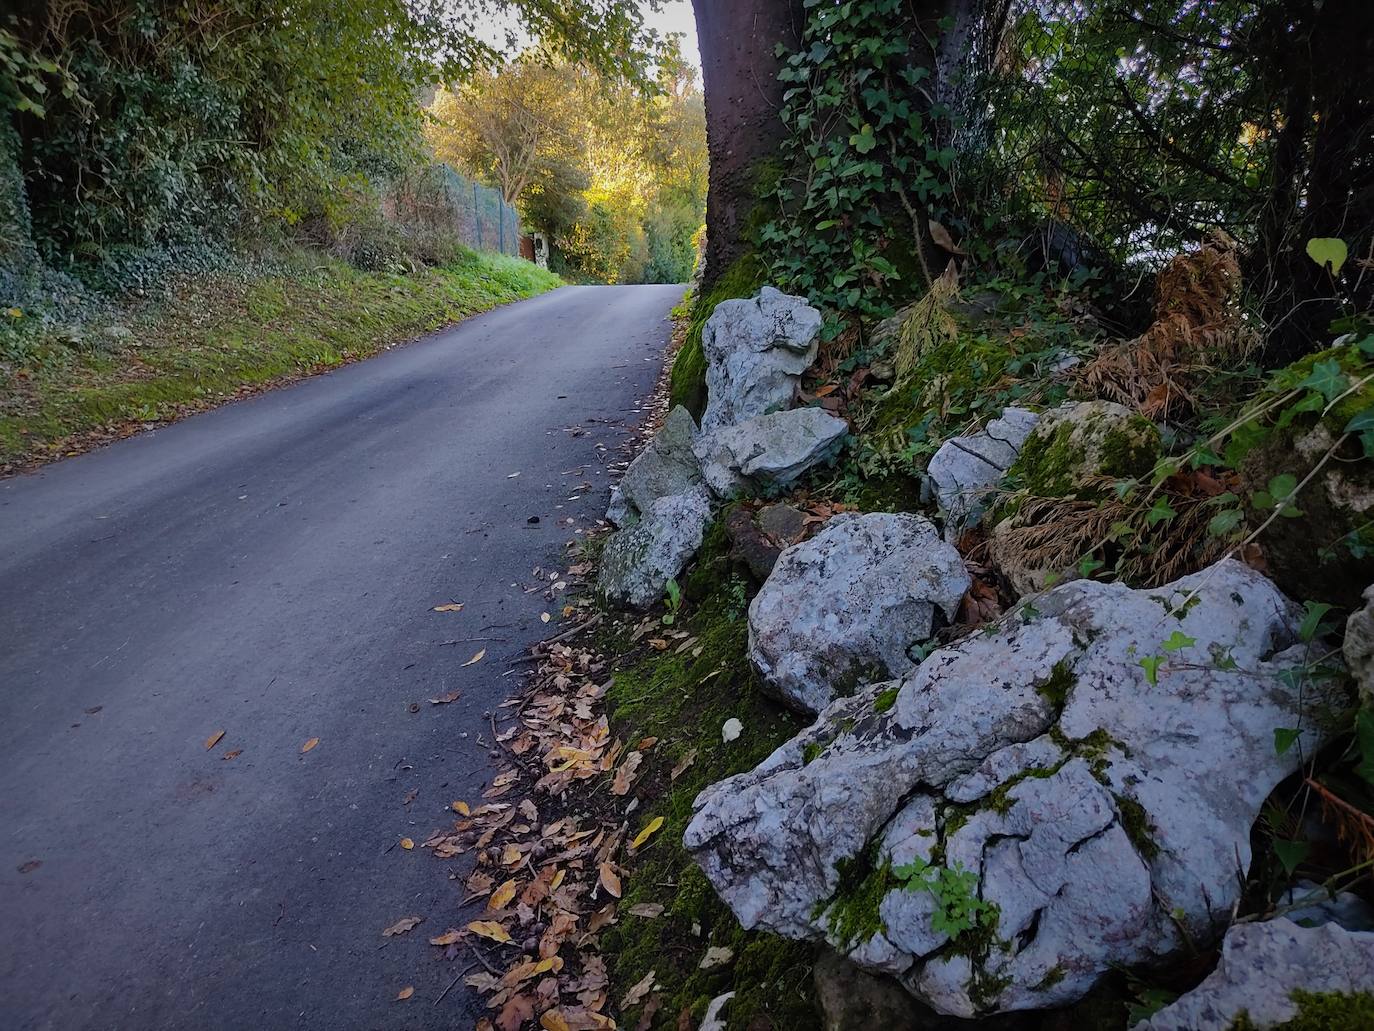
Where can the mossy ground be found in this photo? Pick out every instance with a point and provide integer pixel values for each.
(216, 336)
(683, 700)
(1330, 1011)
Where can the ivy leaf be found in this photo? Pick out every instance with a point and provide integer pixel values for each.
(1224, 522)
(1328, 250)
(1361, 422)
(863, 141)
(1177, 641)
(1290, 853)
(1327, 378)
(1162, 512)
(1284, 739)
(1151, 666)
(1089, 566)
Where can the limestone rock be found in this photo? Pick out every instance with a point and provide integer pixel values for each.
(768, 450)
(1071, 444)
(845, 607)
(638, 561)
(1359, 647)
(1262, 965)
(1102, 820)
(667, 466)
(783, 522)
(964, 468)
(755, 351)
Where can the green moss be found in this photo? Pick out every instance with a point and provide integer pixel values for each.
(1052, 977)
(1059, 454)
(811, 751)
(852, 913)
(1056, 688)
(687, 384)
(683, 700)
(886, 699)
(1322, 1011)
(1135, 821)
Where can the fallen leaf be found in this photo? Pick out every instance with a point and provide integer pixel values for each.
(310, 744)
(620, 784)
(476, 658)
(553, 1021)
(511, 855)
(658, 644)
(731, 729)
(544, 617)
(462, 809)
(232, 755)
(647, 832)
(401, 926)
(826, 390)
(449, 937)
(30, 865)
(500, 898)
(407, 844)
(444, 699)
(636, 994)
(489, 929)
(213, 739)
(683, 764)
(515, 1013)
(405, 993)
(647, 910)
(942, 239)
(449, 608)
(610, 880)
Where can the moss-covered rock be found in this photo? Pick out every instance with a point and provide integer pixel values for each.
(1073, 445)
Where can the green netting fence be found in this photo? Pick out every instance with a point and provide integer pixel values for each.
(441, 198)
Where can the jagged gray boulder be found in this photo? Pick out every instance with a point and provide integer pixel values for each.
(845, 608)
(1261, 966)
(755, 351)
(1084, 774)
(1359, 647)
(638, 561)
(768, 450)
(667, 466)
(965, 468)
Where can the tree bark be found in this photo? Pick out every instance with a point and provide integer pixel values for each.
(739, 71)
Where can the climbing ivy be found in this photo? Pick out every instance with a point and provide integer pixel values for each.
(866, 168)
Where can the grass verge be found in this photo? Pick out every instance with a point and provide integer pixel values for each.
(223, 336)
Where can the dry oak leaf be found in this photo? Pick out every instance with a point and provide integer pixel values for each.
(402, 925)
(405, 993)
(213, 739)
(444, 699)
(636, 994)
(502, 896)
(232, 755)
(489, 929)
(451, 607)
(309, 745)
(609, 880)
(620, 785)
(515, 1012)
(449, 937)
(476, 658)
(683, 764)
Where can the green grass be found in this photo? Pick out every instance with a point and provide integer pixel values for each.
(221, 336)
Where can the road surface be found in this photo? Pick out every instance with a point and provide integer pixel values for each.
(269, 569)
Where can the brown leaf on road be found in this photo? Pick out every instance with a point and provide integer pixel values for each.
(402, 925)
(501, 897)
(451, 607)
(309, 745)
(489, 929)
(476, 658)
(405, 993)
(449, 937)
(213, 739)
(407, 844)
(445, 699)
(515, 1013)
(232, 755)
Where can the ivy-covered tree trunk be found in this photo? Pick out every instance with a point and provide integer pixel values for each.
(739, 71)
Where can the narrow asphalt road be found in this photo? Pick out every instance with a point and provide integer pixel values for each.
(269, 569)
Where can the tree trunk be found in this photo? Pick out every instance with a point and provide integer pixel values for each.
(739, 71)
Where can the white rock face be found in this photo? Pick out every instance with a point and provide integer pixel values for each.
(755, 351)
(638, 561)
(844, 608)
(1095, 812)
(1261, 965)
(667, 466)
(768, 450)
(965, 468)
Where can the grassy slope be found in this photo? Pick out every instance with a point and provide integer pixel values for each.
(224, 336)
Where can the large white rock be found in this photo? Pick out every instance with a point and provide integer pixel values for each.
(768, 450)
(1261, 965)
(667, 466)
(755, 351)
(845, 608)
(1105, 817)
(965, 468)
(638, 561)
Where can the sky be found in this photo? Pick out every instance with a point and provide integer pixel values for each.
(676, 16)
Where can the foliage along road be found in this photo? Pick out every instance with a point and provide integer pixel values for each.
(271, 570)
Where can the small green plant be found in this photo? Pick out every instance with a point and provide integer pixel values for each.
(672, 601)
(960, 910)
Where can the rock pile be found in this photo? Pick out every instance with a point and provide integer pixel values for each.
(1069, 791)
